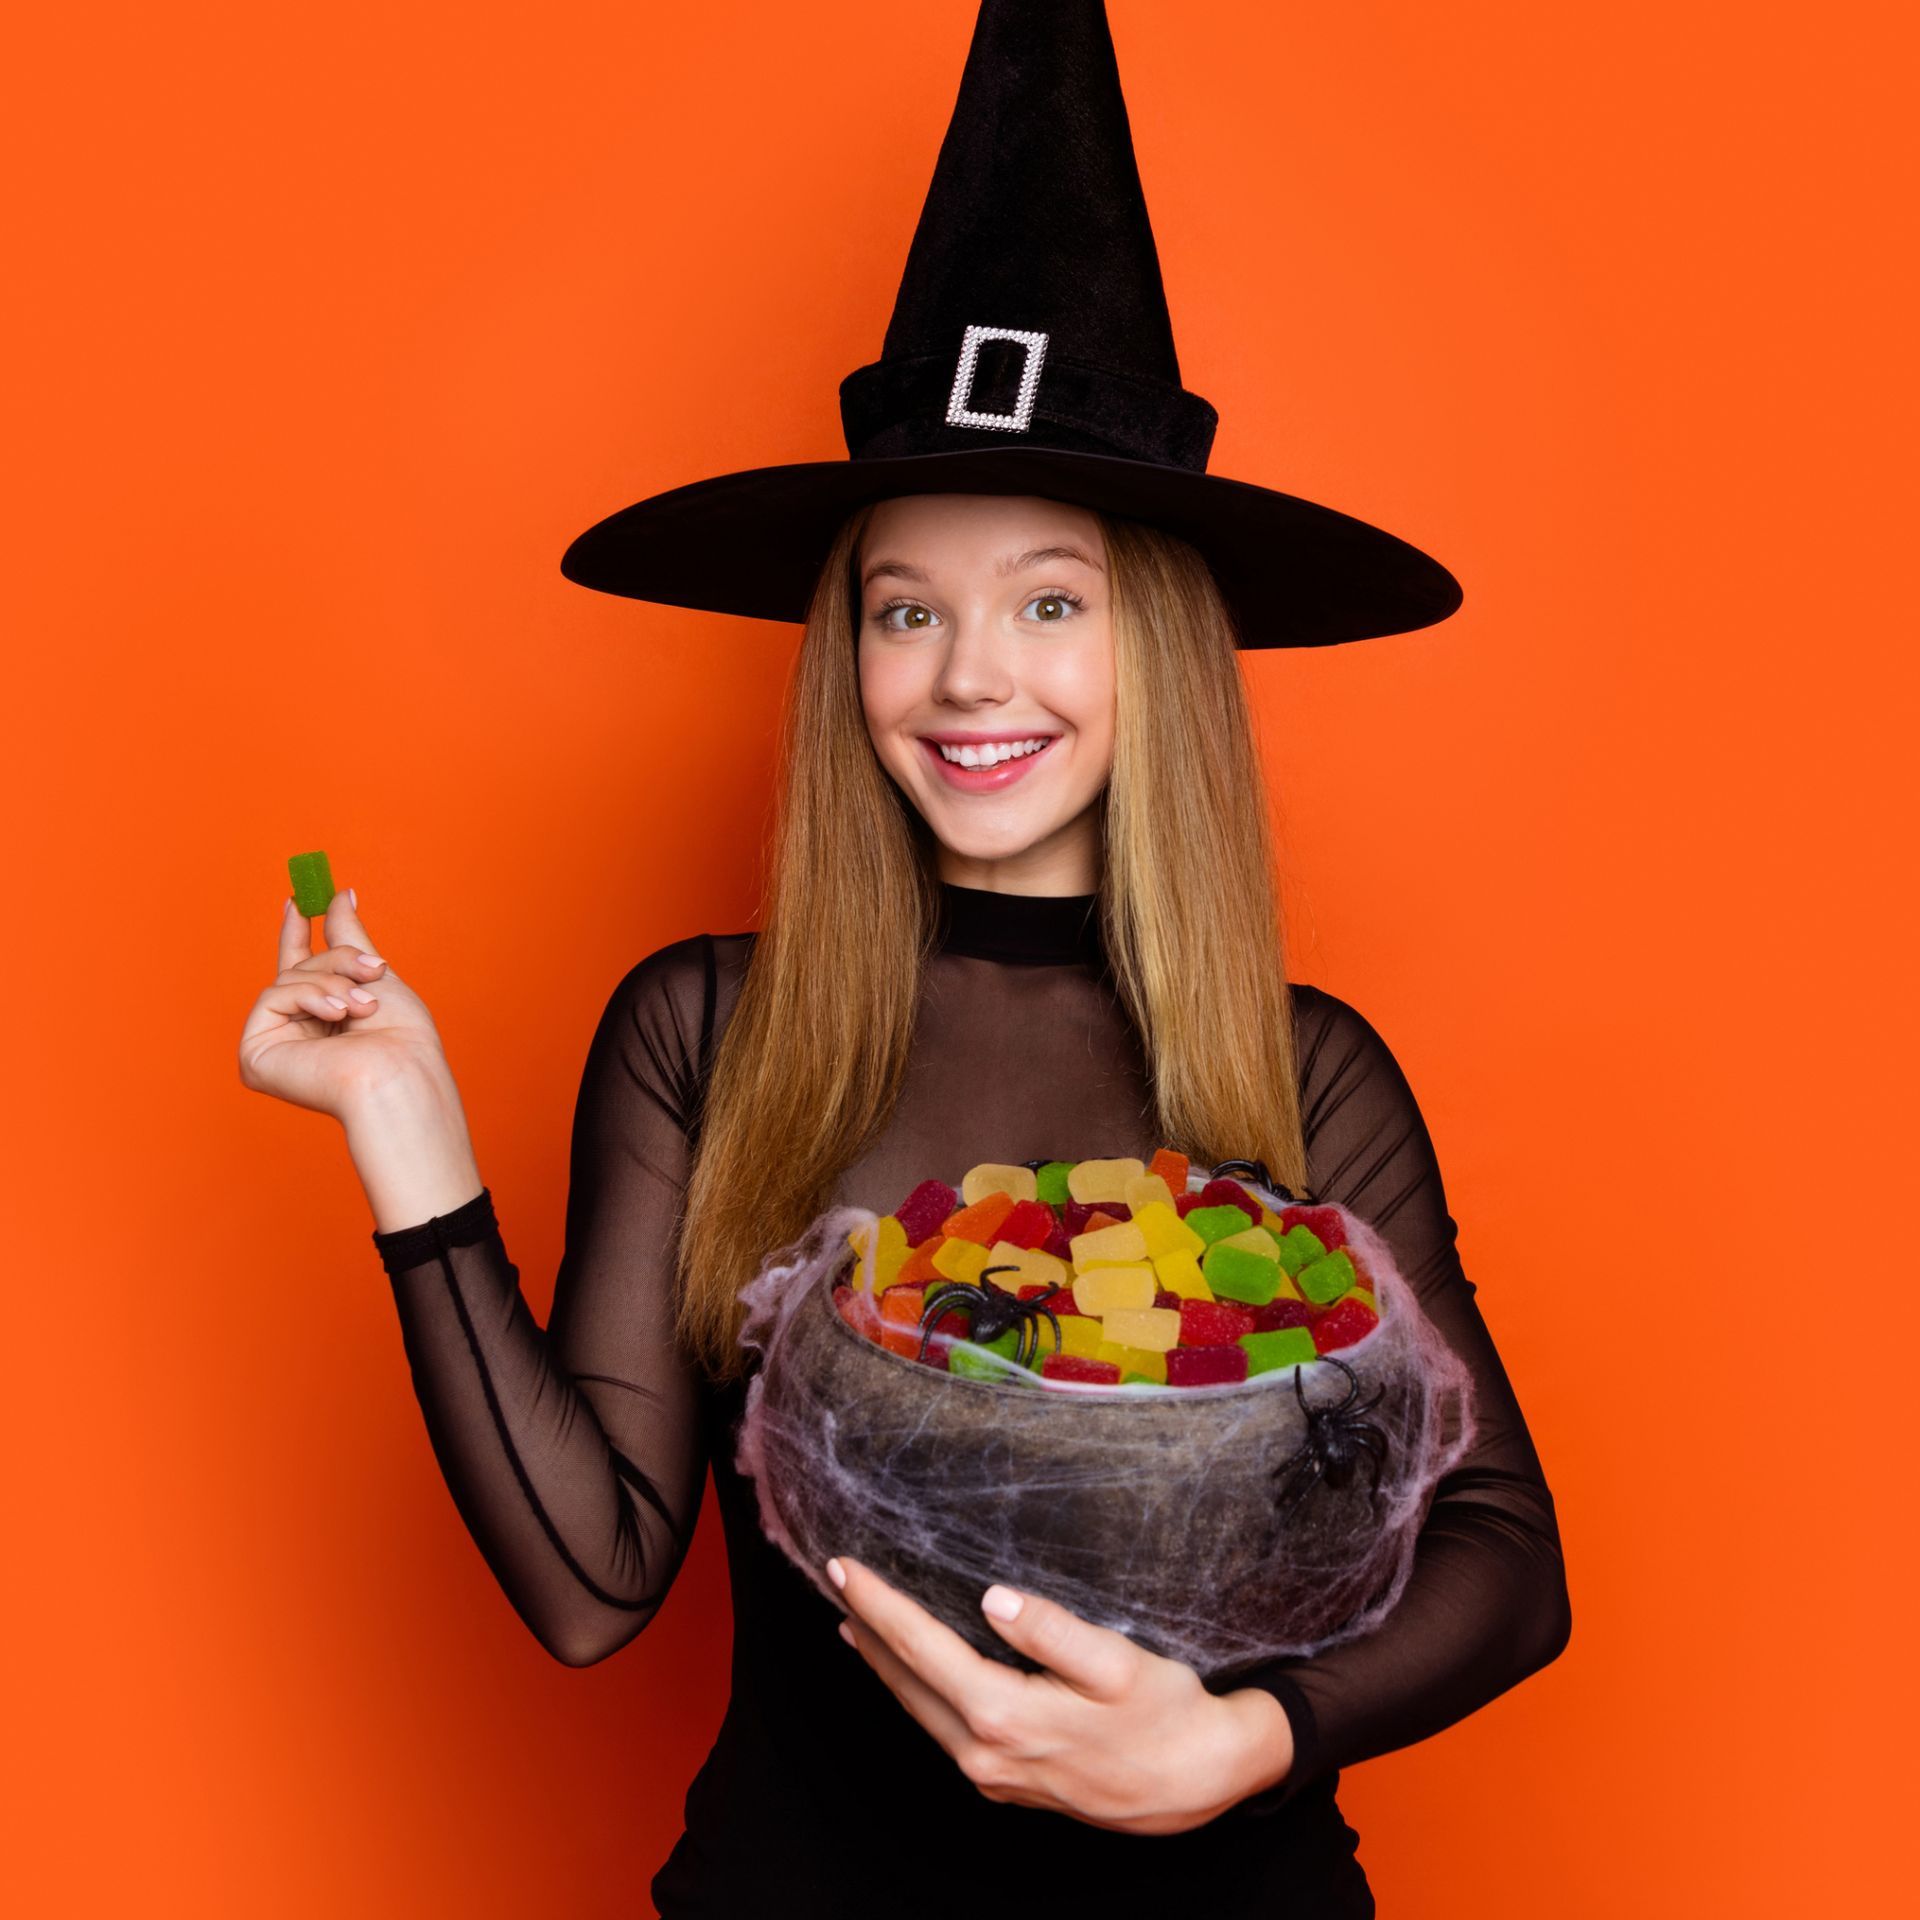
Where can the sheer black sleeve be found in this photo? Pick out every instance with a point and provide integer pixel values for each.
(575, 1453)
(1487, 1601)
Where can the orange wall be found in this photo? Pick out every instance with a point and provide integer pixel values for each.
(325, 332)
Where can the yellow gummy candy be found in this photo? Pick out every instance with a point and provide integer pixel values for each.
(961, 1260)
(1165, 1232)
(1090, 1180)
(1180, 1273)
(1149, 1190)
(1153, 1329)
(1272, 1221)
(1033, 1268)
(1134, 1360)
(1106, 1288)
(1255, 1240)
(1078, 1334)
(1017, 1183)
(1108, 1246)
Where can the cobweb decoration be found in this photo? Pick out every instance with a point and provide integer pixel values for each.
(1151, 1510)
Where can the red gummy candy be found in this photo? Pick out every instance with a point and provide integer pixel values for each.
(1214, 1323)
(1074, 1366)
(1059, 1242)
(856, 1309)
(1029, 1224)
(1230, 1193)
(1322, 1222)
(1206, 1366)
(1343, 1323)
(924, 1209)
(1282, 1313)
(1184, 1203)
(1166, 1297)
(1034, 1289)
(1077, 1215)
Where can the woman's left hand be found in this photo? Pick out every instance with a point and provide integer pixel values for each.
(1109, 1733)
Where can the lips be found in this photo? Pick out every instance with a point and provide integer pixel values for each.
(982, 779)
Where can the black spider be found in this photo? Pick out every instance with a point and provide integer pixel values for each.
(1256, 1170)
(990, 1313)
(1336, 1439)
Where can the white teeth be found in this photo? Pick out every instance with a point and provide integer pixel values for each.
(991, 755)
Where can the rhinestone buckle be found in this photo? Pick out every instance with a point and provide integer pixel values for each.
(959, 414)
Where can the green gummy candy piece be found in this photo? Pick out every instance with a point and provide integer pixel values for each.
(313, 887)
(1300, 1247)
(971, 1362)
(1283, 1347)
(1326, 1279)
(1140, 1380)
(1238, 1273)
(1216, 1223)
(1052, 1181)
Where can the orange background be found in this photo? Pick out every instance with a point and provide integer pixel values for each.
(326, 331)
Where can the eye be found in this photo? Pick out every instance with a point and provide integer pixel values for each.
(1060, 601)
(884, 615)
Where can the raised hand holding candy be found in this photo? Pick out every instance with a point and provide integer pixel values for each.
(1107, 1732)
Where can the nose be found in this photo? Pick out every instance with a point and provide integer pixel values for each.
(976, 664)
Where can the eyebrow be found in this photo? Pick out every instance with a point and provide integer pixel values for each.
(1013, 563)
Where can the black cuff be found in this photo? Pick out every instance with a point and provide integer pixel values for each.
(408, 1247)
(1307, 1763)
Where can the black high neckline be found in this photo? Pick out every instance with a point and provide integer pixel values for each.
(1029, 929)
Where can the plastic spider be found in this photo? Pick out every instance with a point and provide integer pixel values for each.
(990, 1313)
(1337, 1438)
(1256, 1170)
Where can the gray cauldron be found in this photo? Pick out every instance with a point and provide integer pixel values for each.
(1149, 1510)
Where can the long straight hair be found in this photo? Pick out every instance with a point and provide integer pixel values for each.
(812, 1060)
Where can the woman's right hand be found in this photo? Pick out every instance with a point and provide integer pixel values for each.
(309, 1041)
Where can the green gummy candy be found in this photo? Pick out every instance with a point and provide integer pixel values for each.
(971, 1362)
(1052, 1182)
(1238, 1273)
(1283, 1347)
(1300, 1247)
(1216, 1223)
(313, 887)
(1140, 1380)
(1326, 1279)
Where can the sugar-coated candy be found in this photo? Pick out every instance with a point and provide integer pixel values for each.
(1097, 1180)
(1230, 1193)
(1284, 1347)
(1185, 1203)
(1322, 1222)
(1140, 1360)
(890, 1254)
(1326, 1279)
(1165, 1232)
(1147, 1191)
(1255, 1240)
(1109, 1247)
(858, 1311)
(1206, 1366)
(1166, 1297)
(1031, 1268)
(1171, 1167)
(1236, 1273)
(1051, 1182)
(1029, 1224)
(313, 887)
(1017, 1183)
(1277, 1313)
(1081, 1367)
(923, 1211)
(1300, 1247)
(900, 1320)
(1180, 1273)
(1059, 1242)
(1079, 1332)
(1217, 1223)
(1214, 1323)
(960, 1260)
(1078, 1216)
(1104, 1290)
(981, 1221)
(918, 1268)
(1154, 1329)
(970, 1362)
(1342, 1324)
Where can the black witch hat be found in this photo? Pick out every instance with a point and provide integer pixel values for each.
(1030, 352)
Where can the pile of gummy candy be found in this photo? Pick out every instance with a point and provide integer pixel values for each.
(1146, 1283)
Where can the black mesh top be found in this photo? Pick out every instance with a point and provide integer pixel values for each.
(577, 1455)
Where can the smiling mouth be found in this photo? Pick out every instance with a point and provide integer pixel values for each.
(991, 776)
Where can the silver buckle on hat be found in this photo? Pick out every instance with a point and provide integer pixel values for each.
(959, 414)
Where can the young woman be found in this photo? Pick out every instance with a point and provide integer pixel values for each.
(1075, 952)
(1020, 905)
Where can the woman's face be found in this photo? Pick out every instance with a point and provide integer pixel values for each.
(984, 624)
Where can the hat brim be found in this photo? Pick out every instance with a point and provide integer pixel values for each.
(1293, 573)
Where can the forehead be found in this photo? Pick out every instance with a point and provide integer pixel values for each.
(968, 529)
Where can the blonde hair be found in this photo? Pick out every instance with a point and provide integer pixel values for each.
(812, 1059)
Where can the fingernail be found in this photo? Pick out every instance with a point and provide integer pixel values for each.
(366, 999)
(373, 960)
(846, 1633)
(836, 1573)
(1002, 1602)
(353, 896)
